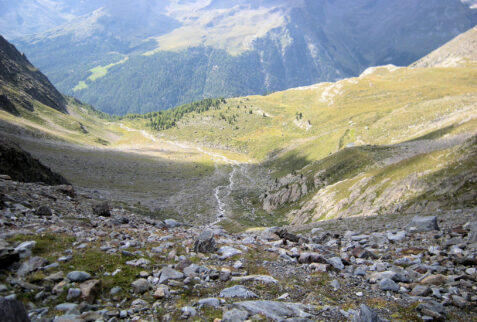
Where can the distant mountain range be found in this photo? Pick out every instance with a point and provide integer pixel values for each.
(142, 56)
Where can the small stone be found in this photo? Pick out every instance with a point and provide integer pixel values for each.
(256, 278)
(365, 314)
(89, 290)
(359, 271)
(336, 263)
(210, 302)
(421, 290)
(115, 290)
(227, 252)
(171, 223)
(459, 301)
(25, 248)
(161, 292)
(73, 294)
(43, 211)
(78, 276)
(188, 312)
(140, 286)
(432, 309)
(387, 284)
(59, 288)
(66, 190)
(55, 277)
(191, 270)
(123, 314)
(307, 258)
(238, 265)
(398, 236)
(437, 279)
(323, 268)
(31, 265)
(335, 284)
(471, 271)
(168, 273)
(65, 307)
(102, 209)
(360, 252)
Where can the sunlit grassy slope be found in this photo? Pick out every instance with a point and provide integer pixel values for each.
(381, 142)
(356, 132)
(386, 106)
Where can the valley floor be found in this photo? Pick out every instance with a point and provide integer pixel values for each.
(160, 177)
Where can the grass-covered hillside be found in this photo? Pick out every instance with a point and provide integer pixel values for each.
(379, 143)
(393, 140)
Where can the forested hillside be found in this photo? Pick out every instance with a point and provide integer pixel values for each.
(153, 55)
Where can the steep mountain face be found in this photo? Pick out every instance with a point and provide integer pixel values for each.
(21, 166)
(153, 55)
(20, 82)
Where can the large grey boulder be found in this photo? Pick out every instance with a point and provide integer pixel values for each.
(205, 243)
(235, 315)
(365, 314)
(32, 265)
(12, 311)
(421, 224)
(336, 263)
(140, 286)
(237, 291)
(276, 311)
(168, 273)
(387, 284)
(210, 302)
(227, 252)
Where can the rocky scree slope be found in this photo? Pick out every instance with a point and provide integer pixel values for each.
(21, 82)
(68, 256)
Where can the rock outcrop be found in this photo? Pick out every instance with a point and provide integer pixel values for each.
(21, 166)
(17, 74)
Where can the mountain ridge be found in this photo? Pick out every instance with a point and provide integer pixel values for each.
(18, 74)
(460, 48)
(305, 44)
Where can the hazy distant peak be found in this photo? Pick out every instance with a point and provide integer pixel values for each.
(222, 24)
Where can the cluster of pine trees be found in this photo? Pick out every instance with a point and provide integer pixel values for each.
(163, 120)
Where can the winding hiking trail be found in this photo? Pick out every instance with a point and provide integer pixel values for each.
(221, 192)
